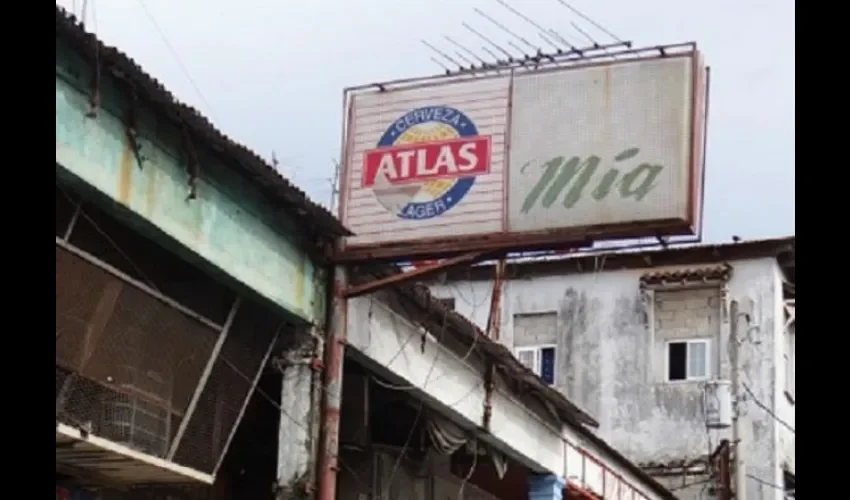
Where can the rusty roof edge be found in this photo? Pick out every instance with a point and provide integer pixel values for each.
(301, 207)
(643, 257)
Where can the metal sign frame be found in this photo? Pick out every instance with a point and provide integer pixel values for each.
(500, 243)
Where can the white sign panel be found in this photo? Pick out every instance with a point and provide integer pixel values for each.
(425, 161)
(601, 145)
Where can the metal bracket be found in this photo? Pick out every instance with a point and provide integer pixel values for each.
(132, 131)
(397, 279)
(94, 97)
(192, 164)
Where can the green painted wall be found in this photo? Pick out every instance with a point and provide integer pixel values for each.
(229, 225)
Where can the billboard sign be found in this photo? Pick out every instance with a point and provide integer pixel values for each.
(526, 159)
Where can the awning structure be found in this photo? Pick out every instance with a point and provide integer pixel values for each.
(105, 462)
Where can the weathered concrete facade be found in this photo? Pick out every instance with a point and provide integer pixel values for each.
(611, 358)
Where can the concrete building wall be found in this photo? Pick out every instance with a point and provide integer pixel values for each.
(612, 359)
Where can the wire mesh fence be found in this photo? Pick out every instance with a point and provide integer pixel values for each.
(129, 365)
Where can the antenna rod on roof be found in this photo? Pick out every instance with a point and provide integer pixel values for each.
(506, 30)
(531, 22)
(463, 48)
(442, 54)
(491, 42)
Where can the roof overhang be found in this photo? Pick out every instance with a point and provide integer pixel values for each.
(99, 462)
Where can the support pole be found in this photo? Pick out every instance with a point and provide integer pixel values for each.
(739, 462)
(334, 357)
(202, 382)
(254, 383)
(724, 472)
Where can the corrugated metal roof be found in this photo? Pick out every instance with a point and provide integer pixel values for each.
(278, 189)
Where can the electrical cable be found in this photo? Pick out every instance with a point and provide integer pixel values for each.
(176, 56)
(767, 409)
(471, 471)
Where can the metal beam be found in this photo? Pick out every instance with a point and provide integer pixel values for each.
(73, 222)
(396, 279)
(202, 382)
(254, 384)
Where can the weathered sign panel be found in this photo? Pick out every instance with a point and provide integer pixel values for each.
(424, 161)
(525, 160)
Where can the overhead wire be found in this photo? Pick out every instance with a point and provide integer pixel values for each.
(177, 57)
(766, 408)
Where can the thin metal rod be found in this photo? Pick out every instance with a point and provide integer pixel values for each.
(531, 22)
(588, 37)
(583, 33)
(506, 30)
(73, 222)
(254, 384)
(202, 382)
(591, 21)
(561, 38)
(440, 63)
(491, 42)
(91, 259)
(464, 58)
(463, 48)
(442, 54)
(493, 55)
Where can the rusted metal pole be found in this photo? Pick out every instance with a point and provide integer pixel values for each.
(334, 357)
(494, 323)
(724, 471)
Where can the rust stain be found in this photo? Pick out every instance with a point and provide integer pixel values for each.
(125, 173)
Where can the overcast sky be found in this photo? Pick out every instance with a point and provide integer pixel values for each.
(270, 74)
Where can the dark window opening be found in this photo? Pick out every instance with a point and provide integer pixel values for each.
(677, 361)
(547, 365)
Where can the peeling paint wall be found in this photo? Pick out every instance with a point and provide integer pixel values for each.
(611, 356)
(229, 226)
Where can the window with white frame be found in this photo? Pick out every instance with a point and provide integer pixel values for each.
(540, 360)
(688, 360)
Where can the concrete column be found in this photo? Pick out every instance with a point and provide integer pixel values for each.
(546, 487)
(299, 419)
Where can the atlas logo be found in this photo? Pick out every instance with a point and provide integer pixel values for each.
(426, 162)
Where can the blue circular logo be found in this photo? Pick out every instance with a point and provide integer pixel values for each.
(406, 192)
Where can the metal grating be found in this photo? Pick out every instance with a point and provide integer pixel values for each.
(129, 364)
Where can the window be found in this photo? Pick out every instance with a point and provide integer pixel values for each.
(687, 360)
(540, 360)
